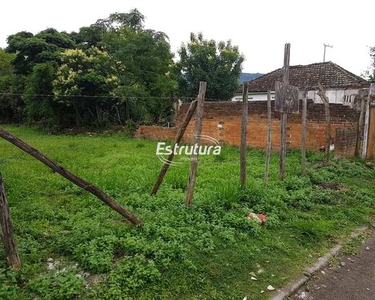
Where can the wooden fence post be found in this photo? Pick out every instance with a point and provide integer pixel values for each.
(245, 111)
(177, 141)
(360, 126)
(6, 226)
(303, 142)
(197, 139)
(268, 151)
(367, 120)
(70, 176)
(327, 113)
(284, 115)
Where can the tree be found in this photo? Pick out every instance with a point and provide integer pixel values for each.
(219, 64)
(133, 19)
(35, 60)
(113, 70)
(88, 37)
(91, 36)
(43, 47)
(372, 68)
(6, 71)
(147, 72)
(369, 74)
(87, 73)
(38, 93)
(11, 107)
(143, 63)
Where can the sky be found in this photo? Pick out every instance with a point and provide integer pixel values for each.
(259, 28)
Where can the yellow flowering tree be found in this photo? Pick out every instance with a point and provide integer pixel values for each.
(87, 82)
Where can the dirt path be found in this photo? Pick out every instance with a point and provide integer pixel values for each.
(352, 278)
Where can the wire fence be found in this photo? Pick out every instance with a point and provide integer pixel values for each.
(182, 98)
(90, 110)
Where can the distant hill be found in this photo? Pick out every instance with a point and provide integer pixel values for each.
(248, 76)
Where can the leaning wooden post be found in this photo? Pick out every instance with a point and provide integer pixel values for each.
(71, 177)
(245, 111)
(177, 141)
(303, 142)
(284, 115)
(6, 226)
(197, 139)
(268, 151)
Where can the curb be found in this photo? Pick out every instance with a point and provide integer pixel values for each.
(322, 262)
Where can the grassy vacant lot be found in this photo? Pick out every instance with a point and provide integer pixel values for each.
(72, 245)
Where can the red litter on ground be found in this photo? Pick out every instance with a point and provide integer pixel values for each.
(262, 218)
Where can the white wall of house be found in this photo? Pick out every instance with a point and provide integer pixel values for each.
(254, 97)
(345, 97)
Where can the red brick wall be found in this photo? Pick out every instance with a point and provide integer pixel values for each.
(346, 141)
(222, 121)
(156, 132)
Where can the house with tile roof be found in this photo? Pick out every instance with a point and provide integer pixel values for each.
(341, 85)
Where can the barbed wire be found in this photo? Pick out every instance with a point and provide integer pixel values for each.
(183, 99)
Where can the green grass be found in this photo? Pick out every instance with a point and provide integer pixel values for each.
(207, 252)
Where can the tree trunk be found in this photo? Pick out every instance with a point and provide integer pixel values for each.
(127, 109)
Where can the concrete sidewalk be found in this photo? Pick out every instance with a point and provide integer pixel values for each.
(352, 279)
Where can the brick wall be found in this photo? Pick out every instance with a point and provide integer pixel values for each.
(222, 121)
(346, 140)
(156, 132)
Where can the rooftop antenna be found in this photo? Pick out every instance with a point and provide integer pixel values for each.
(324, 55)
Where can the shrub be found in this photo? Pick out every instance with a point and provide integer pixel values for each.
(63, 285)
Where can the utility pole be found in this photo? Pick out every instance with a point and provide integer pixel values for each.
(324, 55)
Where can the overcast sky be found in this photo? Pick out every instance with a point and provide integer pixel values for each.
(260, 28)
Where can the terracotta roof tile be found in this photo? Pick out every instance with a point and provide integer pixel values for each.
(329, 74)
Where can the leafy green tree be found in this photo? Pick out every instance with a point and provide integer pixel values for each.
(369, 74)
(133, 19)
(143, 63)
(147, 59)
(219, 64)
(34, 63)
(113, 69)
(87, 73)
(148, 71)
(88, 37)
(11, 107)
(92, 35)
(6, 71)
(30, 49)
(372, 68)
(38, 94)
